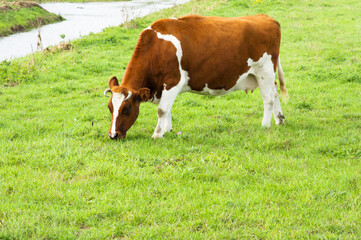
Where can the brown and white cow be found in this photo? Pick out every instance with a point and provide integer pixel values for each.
(204, 55)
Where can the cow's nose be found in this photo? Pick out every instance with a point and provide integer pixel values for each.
(113, 135)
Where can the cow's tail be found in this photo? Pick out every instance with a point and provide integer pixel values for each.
(281, 78)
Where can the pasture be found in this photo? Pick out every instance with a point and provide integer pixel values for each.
(223, 177)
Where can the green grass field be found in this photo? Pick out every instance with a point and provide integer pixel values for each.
(224, 177)
(21, 17)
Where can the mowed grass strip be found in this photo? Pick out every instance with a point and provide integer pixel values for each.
(21, 16)
(223, 177)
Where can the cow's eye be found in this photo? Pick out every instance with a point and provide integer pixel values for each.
(126, 110)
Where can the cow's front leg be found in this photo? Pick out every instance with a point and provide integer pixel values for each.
(168, 123)
(164, 124)
(164, 112)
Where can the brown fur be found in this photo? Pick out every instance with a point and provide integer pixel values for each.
(215, 52)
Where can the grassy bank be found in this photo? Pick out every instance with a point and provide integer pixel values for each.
(21, 16)
(224, 177)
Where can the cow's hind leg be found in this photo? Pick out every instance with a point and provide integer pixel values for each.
(277, 111)
(265, 75)
(164, 112)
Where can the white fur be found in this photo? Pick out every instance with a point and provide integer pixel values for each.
(263, 70)
(245, 82)
(117, 100)
(154, 99)
(168, 96)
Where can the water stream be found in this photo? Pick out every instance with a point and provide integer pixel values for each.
(81, 19)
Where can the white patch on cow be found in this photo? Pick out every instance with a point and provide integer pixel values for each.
(154, 99)
(266, 59)
(245, 82)
(168, 96)
(263, 70)
(177, 45)
(182, 86)
(117, 100)
(173, 18)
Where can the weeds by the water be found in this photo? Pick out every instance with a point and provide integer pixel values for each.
(127, 22)
(39, 42)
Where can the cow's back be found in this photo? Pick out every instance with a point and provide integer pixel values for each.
(216, 49)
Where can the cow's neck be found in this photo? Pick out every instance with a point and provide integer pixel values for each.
(134, 76)
(138, 75)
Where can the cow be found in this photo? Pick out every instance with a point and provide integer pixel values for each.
(204, 55)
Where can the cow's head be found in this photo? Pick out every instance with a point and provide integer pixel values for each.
(124, 107)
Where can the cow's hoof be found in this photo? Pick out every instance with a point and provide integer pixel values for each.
(157, 135)
(280, 119)
(167, 129)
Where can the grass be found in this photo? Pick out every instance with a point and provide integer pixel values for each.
(224, 177)
(23, 16)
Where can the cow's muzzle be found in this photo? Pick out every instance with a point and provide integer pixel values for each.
(116, 135)
(113, 135)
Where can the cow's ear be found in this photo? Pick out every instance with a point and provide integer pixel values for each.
(113, 82)
(143, 94)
